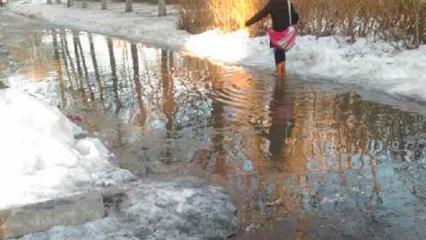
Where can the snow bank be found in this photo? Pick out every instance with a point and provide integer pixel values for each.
(365, 64)
(40, 158)
(369, 65)
(179, 210)
(142, 24)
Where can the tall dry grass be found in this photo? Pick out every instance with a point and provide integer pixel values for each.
(200, 15)
(391, 20)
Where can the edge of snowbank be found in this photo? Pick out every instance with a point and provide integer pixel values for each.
(184, 209)
(43, 157)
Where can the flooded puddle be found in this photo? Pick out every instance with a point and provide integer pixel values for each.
(301, 160)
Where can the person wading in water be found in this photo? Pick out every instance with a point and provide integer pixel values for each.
(280, 21)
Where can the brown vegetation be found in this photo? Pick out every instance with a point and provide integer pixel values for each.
(391, 20)
(200, 15)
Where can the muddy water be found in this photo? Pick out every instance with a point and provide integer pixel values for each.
(302, 160)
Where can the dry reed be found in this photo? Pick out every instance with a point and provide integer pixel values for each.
(391, 20)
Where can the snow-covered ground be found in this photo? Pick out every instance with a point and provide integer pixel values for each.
(180, 210)
(370, 65)
(43, 155)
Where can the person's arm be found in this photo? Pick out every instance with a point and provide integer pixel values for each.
(261, 14)
(294, 15)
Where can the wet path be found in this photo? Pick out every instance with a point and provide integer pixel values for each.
(302, 160)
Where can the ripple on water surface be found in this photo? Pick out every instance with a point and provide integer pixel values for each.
(302, 160)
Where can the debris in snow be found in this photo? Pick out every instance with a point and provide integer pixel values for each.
(75, 118)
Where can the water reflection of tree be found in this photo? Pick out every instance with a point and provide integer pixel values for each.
(83, 61)
(323, 143)
(333, 133)
(138, 88)
(169, 104)
(118, 104)
(167, 84)
(79, 67)
(65, 61)
(68, 60)
(58, 66)
(96, 69)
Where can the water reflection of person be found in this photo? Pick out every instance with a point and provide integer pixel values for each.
(281, 111)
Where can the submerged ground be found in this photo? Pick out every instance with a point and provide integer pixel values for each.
(301, 160)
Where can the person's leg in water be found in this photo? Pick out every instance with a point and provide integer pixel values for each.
(280, 63)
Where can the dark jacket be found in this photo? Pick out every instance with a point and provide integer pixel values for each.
(279, 13)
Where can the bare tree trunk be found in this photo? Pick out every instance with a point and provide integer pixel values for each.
(84, 4)
(49, 2)
(70, 3)
(58, 1)
(162, 9)
(104, 5)
(129, 5)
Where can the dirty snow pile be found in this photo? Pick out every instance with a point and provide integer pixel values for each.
(366, 63)
(43, 155)
(178, 210)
